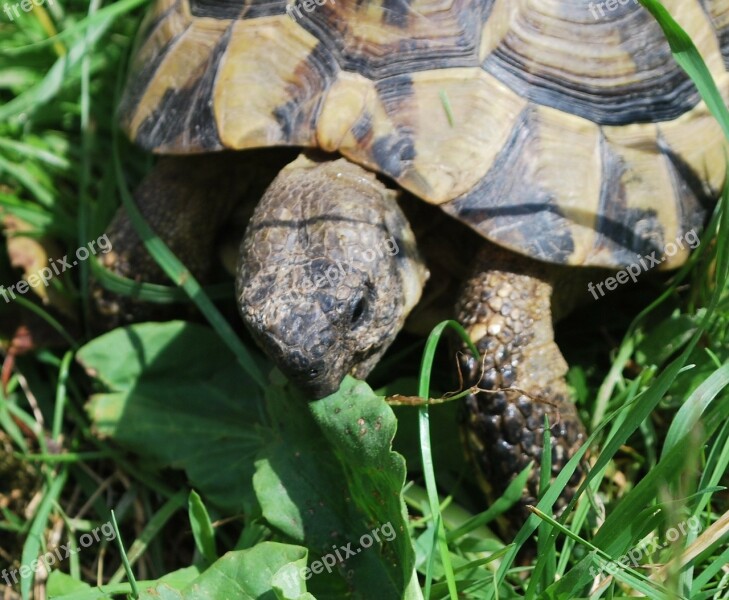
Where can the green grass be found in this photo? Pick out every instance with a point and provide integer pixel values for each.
(187, 436)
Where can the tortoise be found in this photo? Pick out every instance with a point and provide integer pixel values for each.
(561, 136)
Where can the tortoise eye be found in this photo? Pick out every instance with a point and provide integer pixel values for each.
(358, 311)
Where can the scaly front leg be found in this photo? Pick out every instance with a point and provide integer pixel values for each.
(506, 309)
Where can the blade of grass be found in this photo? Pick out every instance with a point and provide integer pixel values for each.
(690, 412)
(152, 292)
(545, 504)
(151, 529)
(716, 467)
(711, 537)
(35, 215)
(622, 529)
(617, 532)
(33, 542)
(689, 59)
(48, 319)
(583, 509)
(125, 561)
(426, 452)
(27, 179)
(106, 14)
(546, 566)
(510, 496)
(628, 345)
(66, 457)
(177, 272)
(624, 573)
(36, 96)
(202, 528)
(85, 175)
(61, 396)
(173, 267)
(718, 564)
(29, 151)
(8, 425)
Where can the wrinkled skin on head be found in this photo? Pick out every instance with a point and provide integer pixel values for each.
(328, 273)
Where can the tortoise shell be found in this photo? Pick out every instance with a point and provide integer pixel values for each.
(560, 129)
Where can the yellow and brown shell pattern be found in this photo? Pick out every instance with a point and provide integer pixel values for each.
(561, 129)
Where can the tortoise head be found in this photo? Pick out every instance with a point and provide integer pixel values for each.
(328, 272)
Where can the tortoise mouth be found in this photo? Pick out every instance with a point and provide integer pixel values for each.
(316, 383)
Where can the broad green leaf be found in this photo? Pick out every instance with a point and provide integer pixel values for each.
(61, 584)
(343, 503)
(325, 472)
(245, 575)
(176, 395)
